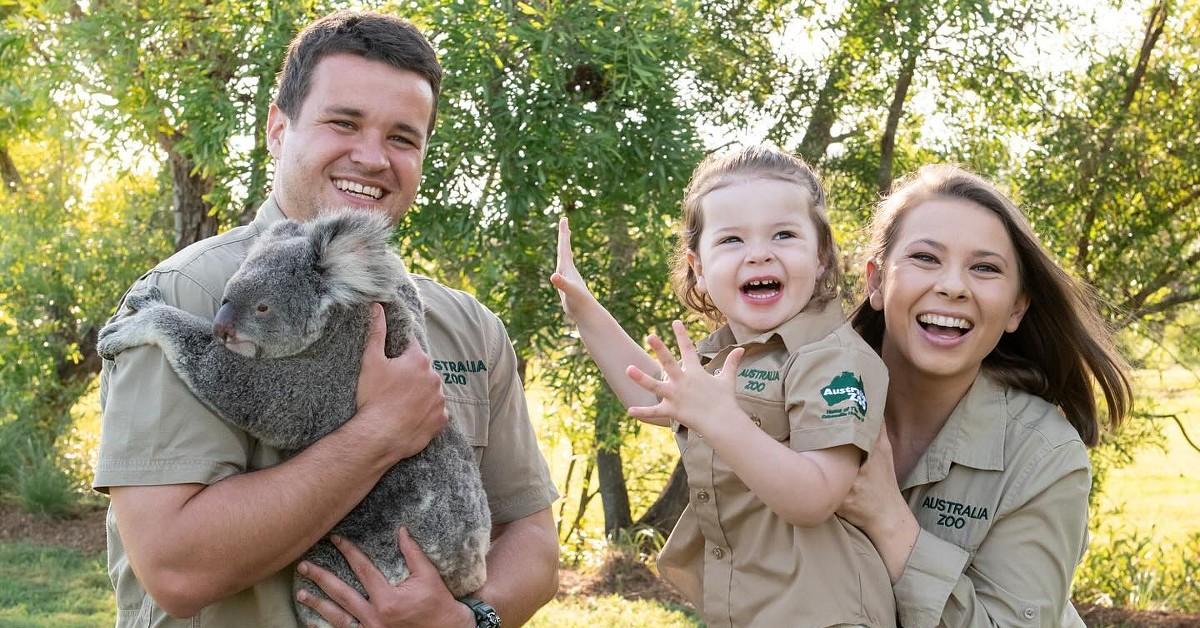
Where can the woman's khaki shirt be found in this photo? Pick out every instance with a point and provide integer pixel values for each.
(812, 384)
(1001, 495)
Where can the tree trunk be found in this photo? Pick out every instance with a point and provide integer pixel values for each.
(1091, 166)
(194, 220)
(887, 149)
(818, 135)
(8, 171)
(665, 511)
(614, 495)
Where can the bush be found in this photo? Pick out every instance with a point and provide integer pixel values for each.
(1135, 571)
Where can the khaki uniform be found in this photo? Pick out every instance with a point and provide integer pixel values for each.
(812, 384)
(1001, 495)
(155, 432)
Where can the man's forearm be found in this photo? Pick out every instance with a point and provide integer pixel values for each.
(522, 567)
(192, 545)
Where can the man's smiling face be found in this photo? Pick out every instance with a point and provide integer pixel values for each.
(357, 141)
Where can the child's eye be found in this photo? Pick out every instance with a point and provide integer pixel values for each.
(729, 240)
(784, 235)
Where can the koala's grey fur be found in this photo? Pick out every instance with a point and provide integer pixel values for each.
(287, 376)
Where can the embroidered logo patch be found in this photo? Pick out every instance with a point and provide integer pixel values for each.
(845, 397)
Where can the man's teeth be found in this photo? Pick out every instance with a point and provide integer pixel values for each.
(944, 321)
(358, 188)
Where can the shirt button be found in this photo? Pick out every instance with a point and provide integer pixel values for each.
(1028, 613)
(702, 496)
(718, 553)
(757, 421)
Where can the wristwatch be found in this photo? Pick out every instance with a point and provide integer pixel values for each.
(485, 615)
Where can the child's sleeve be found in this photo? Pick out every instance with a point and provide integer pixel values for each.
(835, 396)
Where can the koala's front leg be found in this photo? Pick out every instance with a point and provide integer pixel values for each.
(182, 336)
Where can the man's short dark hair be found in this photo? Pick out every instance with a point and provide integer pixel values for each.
(370, 35)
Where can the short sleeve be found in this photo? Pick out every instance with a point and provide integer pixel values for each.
(515, 475)
(834, 395)
(153, 430)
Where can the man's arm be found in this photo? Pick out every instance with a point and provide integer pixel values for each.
(522, 567)
(193, 544)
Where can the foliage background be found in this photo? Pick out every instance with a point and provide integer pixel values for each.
(129, 129)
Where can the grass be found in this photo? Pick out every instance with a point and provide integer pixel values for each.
(609, 610)
(53, 587)
(1157, 494)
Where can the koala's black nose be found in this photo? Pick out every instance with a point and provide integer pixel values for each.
(223, 324)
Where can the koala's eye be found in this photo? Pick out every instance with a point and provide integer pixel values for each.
(262, 308)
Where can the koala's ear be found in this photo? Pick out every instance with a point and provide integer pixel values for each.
(354, 256)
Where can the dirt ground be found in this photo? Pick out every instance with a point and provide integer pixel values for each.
(621, 573)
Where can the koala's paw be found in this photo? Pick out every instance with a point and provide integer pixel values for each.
(143, 297)
(133, 327)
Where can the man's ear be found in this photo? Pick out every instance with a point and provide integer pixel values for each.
(277, 122)
(693, 261)
(875, 286)
(1020, 306)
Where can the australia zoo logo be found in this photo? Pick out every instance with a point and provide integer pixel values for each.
(845, 397)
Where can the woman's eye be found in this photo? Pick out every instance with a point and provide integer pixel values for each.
(343, 124)
(924, 257)
(986, 268)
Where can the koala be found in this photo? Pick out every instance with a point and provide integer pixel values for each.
(281, 360)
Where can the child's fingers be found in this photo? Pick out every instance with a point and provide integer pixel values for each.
(664, 355)
(687, 350)
(639, 377)
(565, 256)
(649, 412)
(732, 362)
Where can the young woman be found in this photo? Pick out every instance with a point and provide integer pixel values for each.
(992, 351)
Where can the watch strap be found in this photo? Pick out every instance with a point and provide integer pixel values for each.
(485, 615)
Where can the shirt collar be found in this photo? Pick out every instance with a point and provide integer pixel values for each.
(805, 327)
(268, 214)
(973, 435)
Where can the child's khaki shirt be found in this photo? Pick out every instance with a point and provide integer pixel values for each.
(812, 384)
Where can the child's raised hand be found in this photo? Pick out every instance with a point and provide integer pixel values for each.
(572, 291)
(688, 393)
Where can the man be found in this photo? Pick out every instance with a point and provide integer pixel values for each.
(205, 522)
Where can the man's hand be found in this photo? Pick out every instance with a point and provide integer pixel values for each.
(420, 600)
(399, 400)
(688, 393)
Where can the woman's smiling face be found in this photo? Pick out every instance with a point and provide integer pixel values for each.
(949, 288)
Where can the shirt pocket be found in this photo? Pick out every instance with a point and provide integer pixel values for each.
(471, 417)
(770, 416)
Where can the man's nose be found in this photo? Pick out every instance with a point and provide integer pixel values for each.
(371, 154)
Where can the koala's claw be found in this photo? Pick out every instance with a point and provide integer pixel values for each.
(142, 297)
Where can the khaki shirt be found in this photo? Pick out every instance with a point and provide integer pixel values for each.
(155, 432)
(1001, 495)
(812, 384)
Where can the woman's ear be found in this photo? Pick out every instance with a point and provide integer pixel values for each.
(875, 286)
(693, 262)
(1020, 307)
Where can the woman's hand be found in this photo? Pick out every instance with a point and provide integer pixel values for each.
(876, 506)
(572, 291)
(688, 393)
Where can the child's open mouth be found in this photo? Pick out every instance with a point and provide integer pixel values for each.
(761, 289)
(941, 326)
